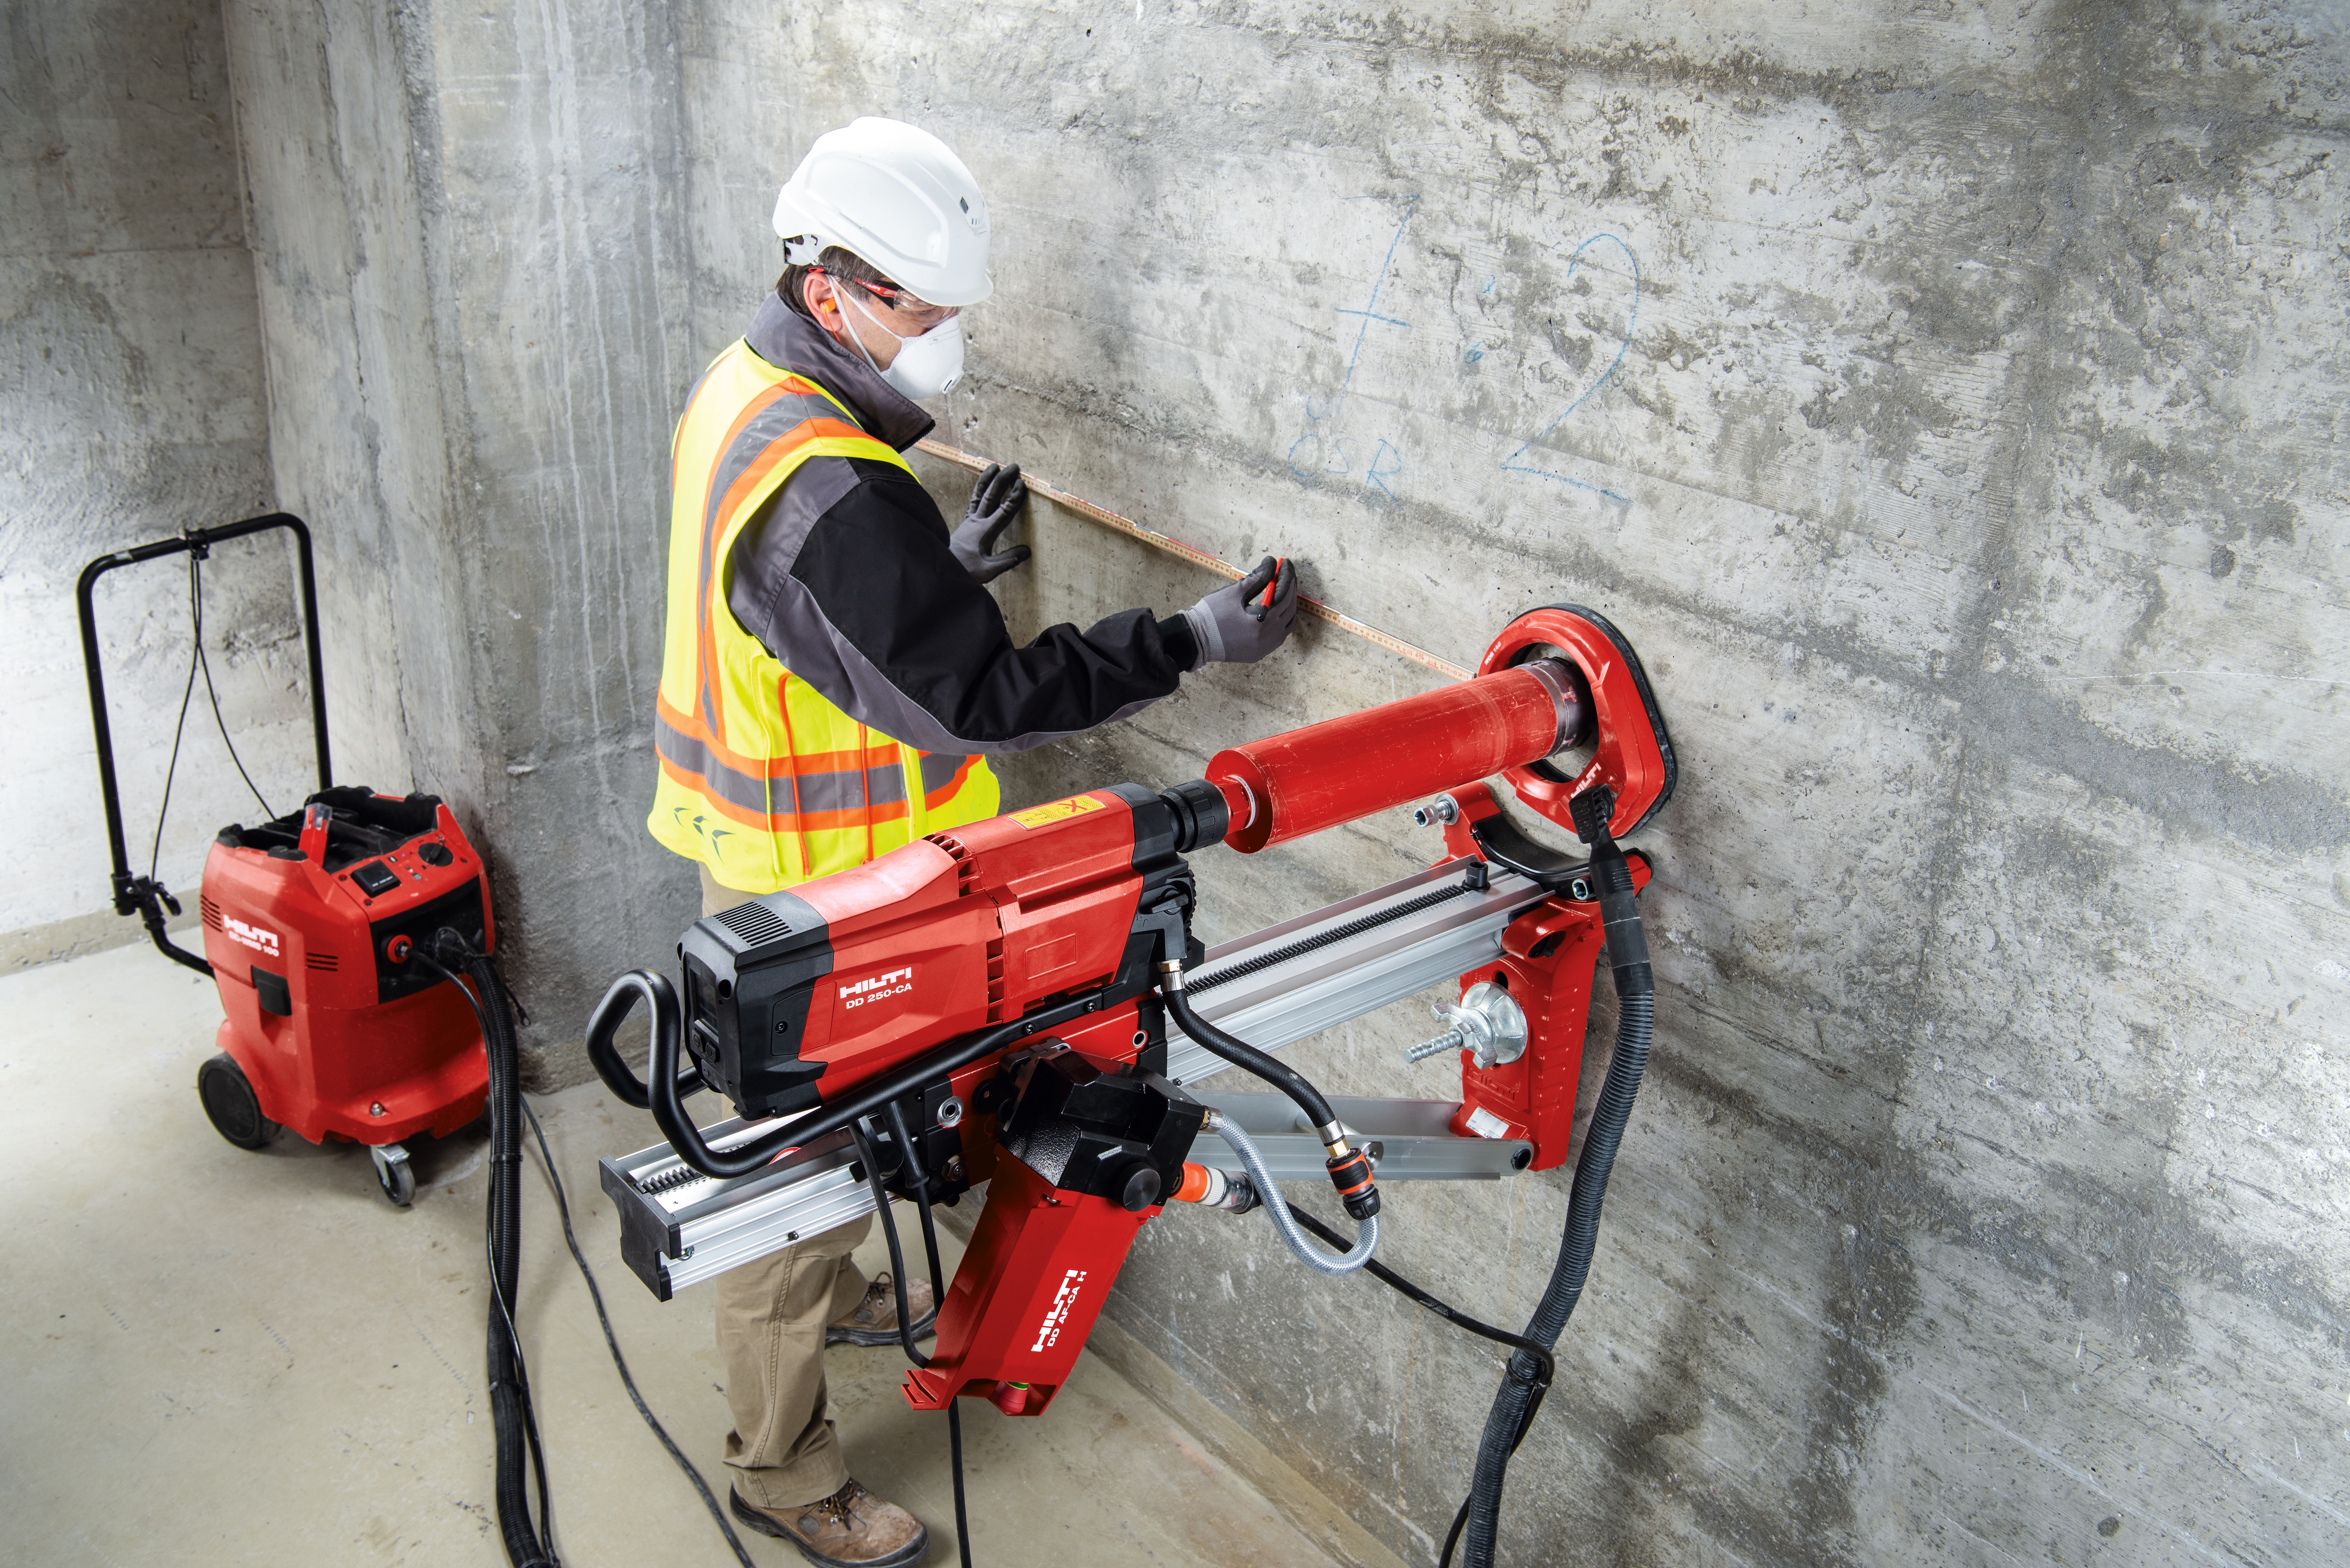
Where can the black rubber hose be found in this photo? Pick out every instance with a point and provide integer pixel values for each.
(512, 1423)
(1636, 1007)
(1240, 1054)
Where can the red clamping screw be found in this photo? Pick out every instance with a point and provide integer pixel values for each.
(400, 949)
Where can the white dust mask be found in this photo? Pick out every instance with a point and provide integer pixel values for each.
(926, 365)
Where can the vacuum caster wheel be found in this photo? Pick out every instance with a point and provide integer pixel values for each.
(230, 1102)
(393, 1173)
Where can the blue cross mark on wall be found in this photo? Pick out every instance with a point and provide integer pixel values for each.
(1387, 462)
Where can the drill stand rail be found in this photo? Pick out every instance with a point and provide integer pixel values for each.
(1273, 987)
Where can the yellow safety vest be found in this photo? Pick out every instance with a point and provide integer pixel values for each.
(762, 779)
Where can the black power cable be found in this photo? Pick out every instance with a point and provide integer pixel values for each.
(919, 1177)
(620, 1362)
(478, 967)
(1537, 1381)
(196, 661)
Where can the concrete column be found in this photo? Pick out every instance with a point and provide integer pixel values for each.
(465, 225)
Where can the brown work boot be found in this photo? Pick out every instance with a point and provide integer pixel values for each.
(874, 1320)
(850, 1529)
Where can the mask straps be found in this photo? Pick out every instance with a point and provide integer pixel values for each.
(842, 294)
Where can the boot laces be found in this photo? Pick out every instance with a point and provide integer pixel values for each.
(841, 1506)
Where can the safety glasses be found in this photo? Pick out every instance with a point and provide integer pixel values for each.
(908, 305)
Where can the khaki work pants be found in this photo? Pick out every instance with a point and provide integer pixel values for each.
(771, 1316)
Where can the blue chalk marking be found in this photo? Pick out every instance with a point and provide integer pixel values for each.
(1379, 476)
(1476, 351)
(1511, 464)
(1368, 313)
(1370, 306)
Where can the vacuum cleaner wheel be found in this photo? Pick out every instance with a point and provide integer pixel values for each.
(235, 1109)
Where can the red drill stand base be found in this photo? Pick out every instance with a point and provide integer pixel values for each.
(1546, 966)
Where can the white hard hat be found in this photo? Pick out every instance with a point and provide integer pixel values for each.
(897, 198)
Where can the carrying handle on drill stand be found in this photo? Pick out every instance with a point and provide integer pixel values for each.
(664, 1088)
(144, 896)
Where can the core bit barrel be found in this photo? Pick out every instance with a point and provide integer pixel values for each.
(1288, 785)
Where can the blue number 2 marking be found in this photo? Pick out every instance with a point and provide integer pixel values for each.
(1511, 464)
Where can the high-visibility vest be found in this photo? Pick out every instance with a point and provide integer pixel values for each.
(762, 778)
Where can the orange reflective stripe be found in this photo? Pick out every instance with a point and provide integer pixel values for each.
(794, 822)
(877, 753)
(706, 655)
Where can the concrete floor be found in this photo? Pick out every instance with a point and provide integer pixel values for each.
(221, 1356)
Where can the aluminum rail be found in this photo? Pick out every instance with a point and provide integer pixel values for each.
(1408, 1140)
(1281, 1004)
(679, 1227)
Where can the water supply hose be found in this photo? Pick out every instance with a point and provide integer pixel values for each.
(1636, 1012)
(1350, 1170)
(1366, 1238)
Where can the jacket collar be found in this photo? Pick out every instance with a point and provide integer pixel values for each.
(790, 341)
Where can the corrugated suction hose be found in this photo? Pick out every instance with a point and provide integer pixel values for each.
(1636, 1013)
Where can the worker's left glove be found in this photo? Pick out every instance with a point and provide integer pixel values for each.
(995, 503)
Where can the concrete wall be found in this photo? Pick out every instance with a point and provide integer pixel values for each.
(469, 277)
(1947, 404)
(130, 407)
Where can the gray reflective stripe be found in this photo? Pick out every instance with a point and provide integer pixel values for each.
(688, 753)
(766, 426)
(939, 769)
(881, 784)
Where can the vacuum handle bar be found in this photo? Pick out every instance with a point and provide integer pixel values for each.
(129, 895)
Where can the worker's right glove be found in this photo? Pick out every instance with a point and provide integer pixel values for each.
(1235, 625)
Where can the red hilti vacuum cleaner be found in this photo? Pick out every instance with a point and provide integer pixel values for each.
(313, 924)
(351, 942)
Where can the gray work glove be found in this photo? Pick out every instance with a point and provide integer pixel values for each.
(1235, 624)
(995, 503)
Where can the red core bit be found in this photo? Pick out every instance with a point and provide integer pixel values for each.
(1286, 786)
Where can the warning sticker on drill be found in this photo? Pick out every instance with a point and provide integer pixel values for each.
(1057, 811)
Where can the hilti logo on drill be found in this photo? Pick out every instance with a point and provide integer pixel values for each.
(897, 982)
(1064, 1301)
(254, 937)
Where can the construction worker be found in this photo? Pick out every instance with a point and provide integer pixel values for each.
(834, 676)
